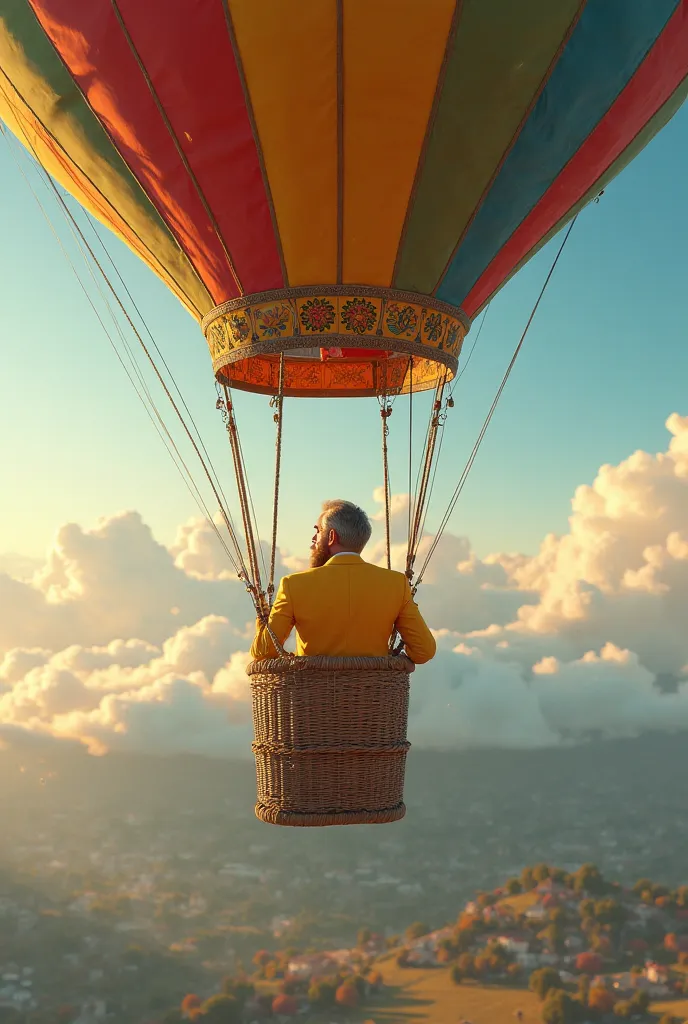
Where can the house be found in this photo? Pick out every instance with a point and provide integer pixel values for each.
(536, 913)
(656, 974)
(515, 943)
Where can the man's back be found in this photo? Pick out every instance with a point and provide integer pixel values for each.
(346, 607)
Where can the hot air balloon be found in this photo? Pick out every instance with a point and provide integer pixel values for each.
(334, 189)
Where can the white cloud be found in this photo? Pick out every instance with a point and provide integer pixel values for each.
(120, 643)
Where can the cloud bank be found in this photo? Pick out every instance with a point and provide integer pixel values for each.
(120, 643)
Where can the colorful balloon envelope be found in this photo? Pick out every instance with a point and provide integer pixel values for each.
(344, 184)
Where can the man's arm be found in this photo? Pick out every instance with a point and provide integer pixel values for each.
(281, 623)
(418, 640)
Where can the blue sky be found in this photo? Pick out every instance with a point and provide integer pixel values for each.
(605, 362)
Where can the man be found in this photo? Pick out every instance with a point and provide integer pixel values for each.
(343, 605)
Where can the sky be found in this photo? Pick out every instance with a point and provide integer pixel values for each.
(557, 594)
(604, 363)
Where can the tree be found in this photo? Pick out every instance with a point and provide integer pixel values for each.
(364, 936)
(241, 989)
(623, 1009)
(190, 1002)
(642, 885)
(560, 1008)
(543, 981)
(321, 993)
(262, 958)
(601, 999)
(221, 1009)
(513, 886)
(456, 974)
(527, 880)
(347, 995)
(590, 963)
(285, 1005)
(588, 878)
(375, 980)
(640, 1003)
(445, 951)
(466, 964)
(583, 988)
(541, 873)
(611, 912)
(668, 1018)
(554, 933)
(416, 931)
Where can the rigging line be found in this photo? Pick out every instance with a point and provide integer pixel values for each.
(477, 338)
(434, 471)
(278, 469)
(156, 370)
(49, 181)
(483, 431)
(256, 585)
(94, 229)
(259, 546)
(385, 413)
(429, 455)
(189, 483)
(177, 145)
(410, 459)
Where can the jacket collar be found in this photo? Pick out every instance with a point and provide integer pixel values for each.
(344, 560)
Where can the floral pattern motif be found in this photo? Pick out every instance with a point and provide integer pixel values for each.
(273, 321)
(217, 339)
(401, 319)
(317, 315)
(451, 340)
(359, 315)
(240, 327)
(433, 327)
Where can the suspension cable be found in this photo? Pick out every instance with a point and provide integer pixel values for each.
(278, 405)
(256, 587)
(385, 413)
(410, 457)
(471, 459)
(420, 500)
(76, 228)
(144, 395)
(470, 354)
(94, 228)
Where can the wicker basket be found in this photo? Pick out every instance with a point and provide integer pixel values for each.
(330, 739)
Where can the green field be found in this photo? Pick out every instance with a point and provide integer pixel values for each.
(677, 1007)
(428, 996)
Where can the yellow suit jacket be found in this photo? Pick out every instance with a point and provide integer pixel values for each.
(346, 607)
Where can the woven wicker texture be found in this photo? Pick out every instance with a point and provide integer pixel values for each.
(330, 739)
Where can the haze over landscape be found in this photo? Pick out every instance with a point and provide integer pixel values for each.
(540, 873)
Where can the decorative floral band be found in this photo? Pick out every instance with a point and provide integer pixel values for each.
(336, 316)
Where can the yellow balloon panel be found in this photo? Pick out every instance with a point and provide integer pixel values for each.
(393, 53)
(291, 74)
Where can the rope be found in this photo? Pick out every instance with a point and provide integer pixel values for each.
(75, 227)
(410, 458)
(475, 342)
(279, 404)
(161, 356)
(144, 395)
(488, 418)
(420, 502)
(385, 413)
(255, 587)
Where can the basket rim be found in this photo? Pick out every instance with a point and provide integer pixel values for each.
(330, 663)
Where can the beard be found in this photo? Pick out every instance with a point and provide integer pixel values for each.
(320, 553)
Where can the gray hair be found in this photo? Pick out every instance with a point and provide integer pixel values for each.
(349, 522)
